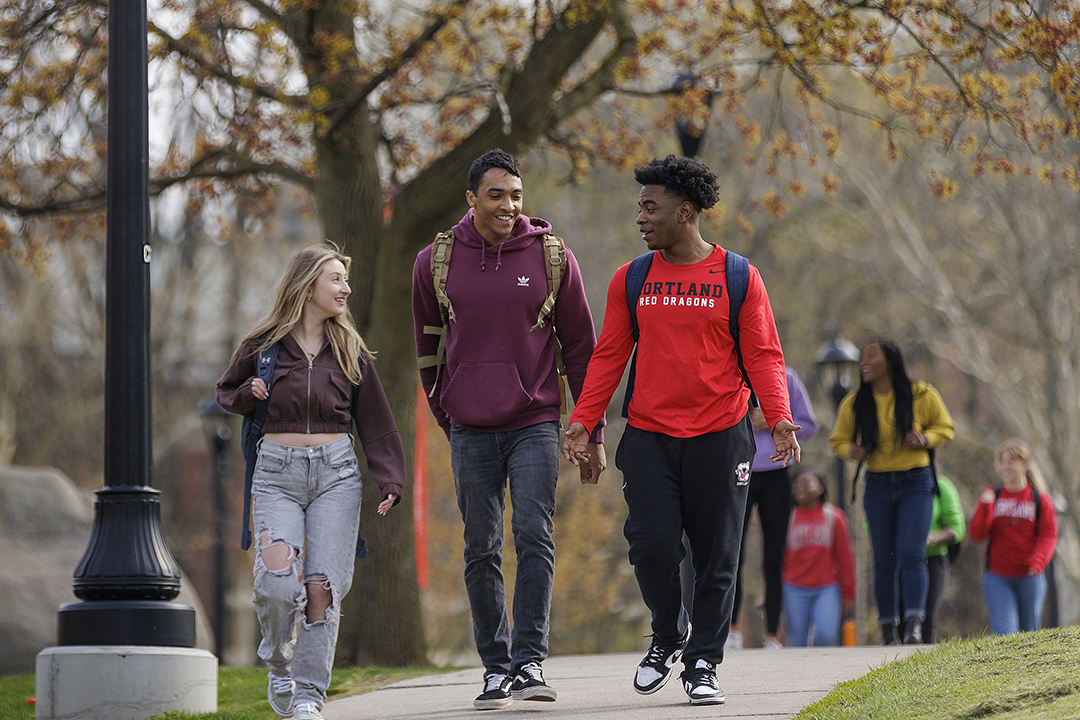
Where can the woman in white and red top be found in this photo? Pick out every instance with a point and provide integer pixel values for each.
(1021, 526)
(819, 572)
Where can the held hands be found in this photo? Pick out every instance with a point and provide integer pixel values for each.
(590, 472)
(387, 503)
(589, 457)
(787, 446)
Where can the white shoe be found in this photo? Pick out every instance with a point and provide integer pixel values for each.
(771, 643)
(734, 640)
(279, 691)
(308, 711)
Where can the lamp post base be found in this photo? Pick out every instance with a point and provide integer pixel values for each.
(124, 682)
(126, 622)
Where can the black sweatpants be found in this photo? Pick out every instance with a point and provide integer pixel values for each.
(770, 491)
(698, 486)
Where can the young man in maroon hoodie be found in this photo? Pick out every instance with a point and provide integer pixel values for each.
(497, 398)
(688, 445)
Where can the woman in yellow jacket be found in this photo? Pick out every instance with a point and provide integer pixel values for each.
(889, 423)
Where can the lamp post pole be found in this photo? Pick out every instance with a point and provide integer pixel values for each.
(127, 576)
(836, 358)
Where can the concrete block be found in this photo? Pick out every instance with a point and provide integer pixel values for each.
(124, 682)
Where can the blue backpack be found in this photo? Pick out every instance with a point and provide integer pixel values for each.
(737, 275)
(251, 433)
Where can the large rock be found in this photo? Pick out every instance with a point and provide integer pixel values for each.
(44, 527)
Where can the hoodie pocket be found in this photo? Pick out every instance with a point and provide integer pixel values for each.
(485, 394)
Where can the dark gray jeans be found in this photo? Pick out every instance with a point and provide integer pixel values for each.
(482, 463)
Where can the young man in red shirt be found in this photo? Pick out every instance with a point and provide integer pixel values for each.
(686, 452)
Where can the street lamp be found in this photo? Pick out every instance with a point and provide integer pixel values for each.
(690, 132)
(218, 433)
(836, 362)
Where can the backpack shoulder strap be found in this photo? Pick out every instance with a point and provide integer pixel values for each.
(264, 370)
(554, 269)
(635, 281)
(441, 247)
(737, 275)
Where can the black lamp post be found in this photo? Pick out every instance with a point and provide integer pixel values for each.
(127, 578)
(218, 433)
(836, 361)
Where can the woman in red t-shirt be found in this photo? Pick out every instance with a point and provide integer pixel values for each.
(1021, 527)
(819, 573)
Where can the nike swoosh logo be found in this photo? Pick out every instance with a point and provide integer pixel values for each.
(713, 272)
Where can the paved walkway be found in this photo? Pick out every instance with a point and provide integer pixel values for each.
(758, 683)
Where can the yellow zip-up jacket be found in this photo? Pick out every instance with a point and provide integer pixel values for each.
(892, 454)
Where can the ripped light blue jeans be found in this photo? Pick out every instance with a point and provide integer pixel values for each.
(306, 511)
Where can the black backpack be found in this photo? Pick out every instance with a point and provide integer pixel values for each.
(737, 276)
(251, 433)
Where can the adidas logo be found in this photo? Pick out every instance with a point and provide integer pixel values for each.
(523, 281)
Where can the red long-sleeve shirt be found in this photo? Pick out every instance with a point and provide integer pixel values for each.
(687, 379)
(818, 553)
(1017, 548)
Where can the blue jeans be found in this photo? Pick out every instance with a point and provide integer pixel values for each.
(1014, 604)
(899, 507)
(306, 511)
(818, 608)
(482, 463)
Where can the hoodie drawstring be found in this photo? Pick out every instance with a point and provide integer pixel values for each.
(483, 256)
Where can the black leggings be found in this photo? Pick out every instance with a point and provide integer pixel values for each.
(770, 490)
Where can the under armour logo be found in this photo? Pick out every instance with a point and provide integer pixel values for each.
(742, 473)
(523, 281)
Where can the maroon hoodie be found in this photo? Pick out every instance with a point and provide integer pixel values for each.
(499, 376)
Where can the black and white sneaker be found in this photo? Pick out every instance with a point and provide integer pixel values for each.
(496, 693)
(700, 684)
(655, 668)
(529, 684)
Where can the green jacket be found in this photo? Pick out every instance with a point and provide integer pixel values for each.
(948, 513)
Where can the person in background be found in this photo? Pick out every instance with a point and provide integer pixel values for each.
(1017, 520)
(770, 492)
(946, 528)
(306, 486)
(889, 423)
(819, 568)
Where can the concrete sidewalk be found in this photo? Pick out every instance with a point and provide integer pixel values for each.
(758, 683)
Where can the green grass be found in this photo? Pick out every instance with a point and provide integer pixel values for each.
(241, 691)
(1031, 675)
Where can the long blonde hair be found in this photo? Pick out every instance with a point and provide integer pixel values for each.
(293, 286)
(1022, 452)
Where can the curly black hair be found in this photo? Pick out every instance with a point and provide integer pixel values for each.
(684, 177)
(496, 158)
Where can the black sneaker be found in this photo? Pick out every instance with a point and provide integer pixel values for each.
(655, 668)
(700, 684)
(496, 693)
(529, 684)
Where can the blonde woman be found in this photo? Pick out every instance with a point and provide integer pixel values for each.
(306, 485)
(1017, 518)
